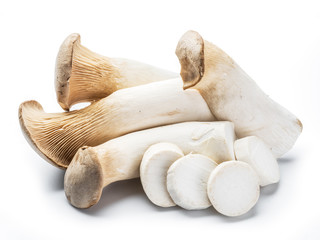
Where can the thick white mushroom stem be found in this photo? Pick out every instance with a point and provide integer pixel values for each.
(84, 76)
(233, 96)
(58, 136)
(93, 168)
(254, 152)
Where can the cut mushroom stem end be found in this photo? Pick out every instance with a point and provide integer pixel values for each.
(253, 151)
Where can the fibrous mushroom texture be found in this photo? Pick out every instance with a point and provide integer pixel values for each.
(57, 136)
(120, 158)
(84, 76)
(233, 96)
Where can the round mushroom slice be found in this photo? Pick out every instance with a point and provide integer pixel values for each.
(153, 172)
(233, 188)
(187, 181)
(253, 151)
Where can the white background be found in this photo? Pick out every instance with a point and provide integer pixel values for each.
(276, 42)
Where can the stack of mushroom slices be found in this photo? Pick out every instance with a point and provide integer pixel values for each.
(196, 181)
(209, 137)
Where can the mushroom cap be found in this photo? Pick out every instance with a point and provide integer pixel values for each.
(28, 106)
(83, 181)
(63, 69)
(190, 52)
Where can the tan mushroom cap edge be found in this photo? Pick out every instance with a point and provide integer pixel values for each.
(28, 136)
(190, 51)
(63, 69)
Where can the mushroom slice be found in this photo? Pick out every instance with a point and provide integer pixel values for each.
(187, 181)
(233, 96)
(120, 158)
(233, 188)
(58, 136)
(84, 76)
(153, 172)
(253, 151)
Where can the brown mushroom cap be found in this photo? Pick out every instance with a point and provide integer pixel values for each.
(83, 181)
(36, 107)
(190, 51)
(57, 136)
(63, 69)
